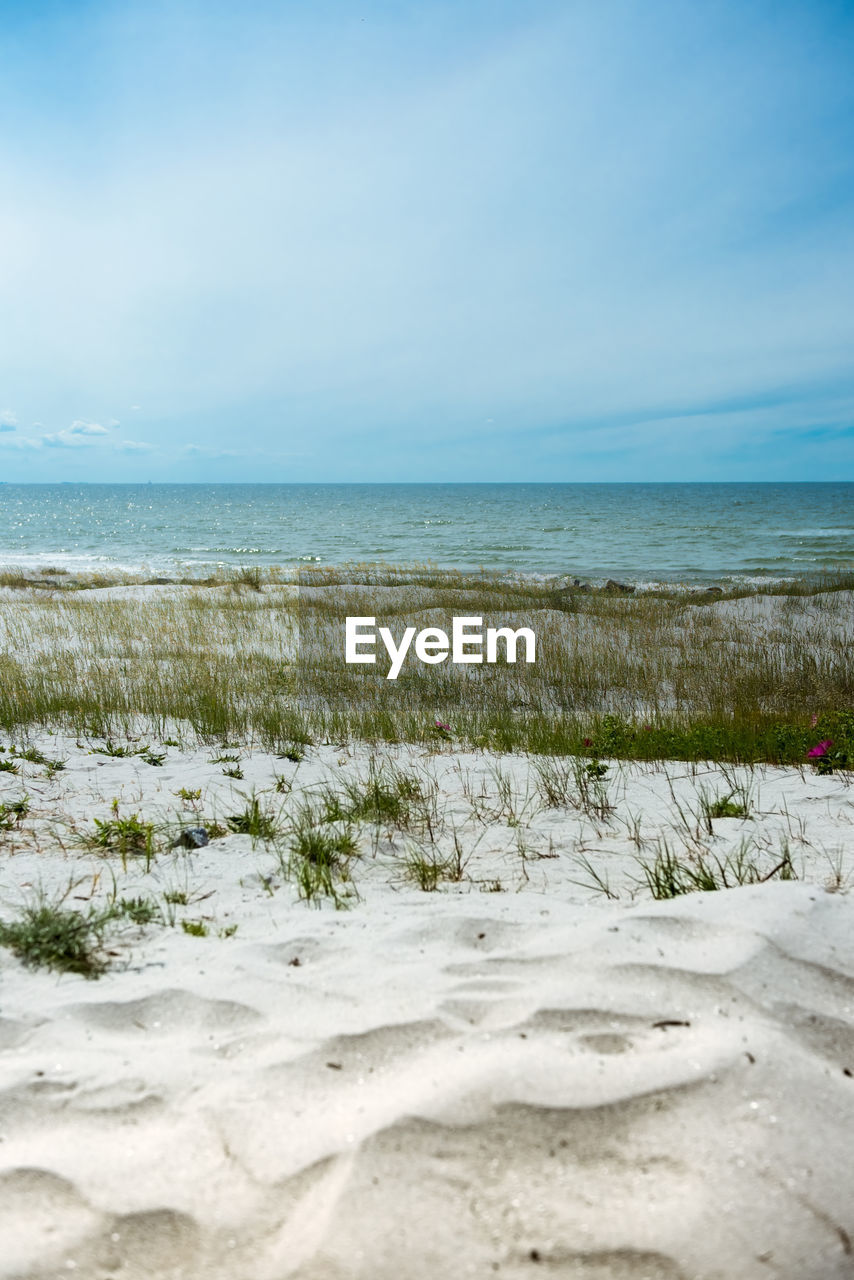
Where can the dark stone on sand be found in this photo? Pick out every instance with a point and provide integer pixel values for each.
(624, 588)
(192, 838)
(714, 591)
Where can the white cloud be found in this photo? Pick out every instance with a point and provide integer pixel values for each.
(80, 428)
(133, 446)
(60, 440)
(79, 434)
(8, 420)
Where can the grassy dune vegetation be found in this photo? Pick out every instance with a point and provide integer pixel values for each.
(256, 657)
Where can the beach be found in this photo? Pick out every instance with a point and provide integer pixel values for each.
(426, 632)
(479, 1046)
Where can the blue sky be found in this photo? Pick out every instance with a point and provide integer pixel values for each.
(440, 241)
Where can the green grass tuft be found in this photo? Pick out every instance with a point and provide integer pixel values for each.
(724, 807)
(49, 935)
(261, 823)
(128, 837)
(670, 875)
(197, 928)
(12, 812)
(139, 910)
(317, 855)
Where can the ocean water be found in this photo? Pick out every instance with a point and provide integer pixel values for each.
(635, 532)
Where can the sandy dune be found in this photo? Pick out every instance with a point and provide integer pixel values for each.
(522, 1083)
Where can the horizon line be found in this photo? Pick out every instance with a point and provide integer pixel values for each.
(271, 484)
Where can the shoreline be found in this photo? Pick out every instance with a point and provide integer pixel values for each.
(49, 572)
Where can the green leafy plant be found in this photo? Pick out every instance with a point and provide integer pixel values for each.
(590, 787)
(197, 928)
(595, 769)
(191, 797)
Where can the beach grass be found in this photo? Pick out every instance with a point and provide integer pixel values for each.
(670, 874)
(47, 934)
(252, 657)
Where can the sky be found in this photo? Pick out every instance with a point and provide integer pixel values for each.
(437, 240)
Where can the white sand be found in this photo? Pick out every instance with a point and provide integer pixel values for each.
(536, 1081)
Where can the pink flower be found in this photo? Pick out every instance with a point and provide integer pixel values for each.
(820, 749)
(588, 742)
(445, 728)
(813, 719)
(648, 728)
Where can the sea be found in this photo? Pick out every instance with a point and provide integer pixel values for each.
(640, 533)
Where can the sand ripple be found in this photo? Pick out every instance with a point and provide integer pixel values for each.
(661, 1092)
